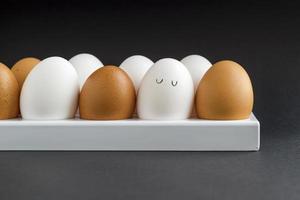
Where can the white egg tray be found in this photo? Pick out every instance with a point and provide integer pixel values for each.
(130, 135)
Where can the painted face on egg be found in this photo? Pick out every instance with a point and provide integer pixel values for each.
(166, 92)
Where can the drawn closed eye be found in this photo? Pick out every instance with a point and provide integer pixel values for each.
(174, 83)
(159, 81)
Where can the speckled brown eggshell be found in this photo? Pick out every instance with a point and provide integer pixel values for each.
(9, 93)
(108, 94)
(22, 68)
(225, 93)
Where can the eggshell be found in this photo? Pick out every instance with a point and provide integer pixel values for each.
(9, 93)
(197, 66)
(22, 68)
(85, 64)
(136, 67)
(50, 91)
(166, 92)
(108, 94)
(225, 93)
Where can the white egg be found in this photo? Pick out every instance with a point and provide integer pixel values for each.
(136, 67)
(85, 64)
(197, 66)
(166, 92)
(50, 91)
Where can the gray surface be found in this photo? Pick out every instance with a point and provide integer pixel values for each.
(272, 173)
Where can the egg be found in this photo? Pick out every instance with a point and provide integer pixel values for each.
(136, 67)
(225, 93)
(9, 93)
(50, 91)
(85, 64)
(197, 66)
(108, 94)
(22, 68)
(166, 92)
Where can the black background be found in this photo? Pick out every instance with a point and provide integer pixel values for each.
(262, 36)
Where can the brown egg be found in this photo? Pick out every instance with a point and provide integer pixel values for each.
(225, 93)
(9, 93)
(22, 68)
(108, 94)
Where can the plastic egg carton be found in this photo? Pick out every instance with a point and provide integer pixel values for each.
(130, 135)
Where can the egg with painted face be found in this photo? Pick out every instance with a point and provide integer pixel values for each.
(85, 64)
(166, 92)
(136, 67)
(50, 91)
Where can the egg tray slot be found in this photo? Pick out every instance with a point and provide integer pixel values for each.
(130, 135)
